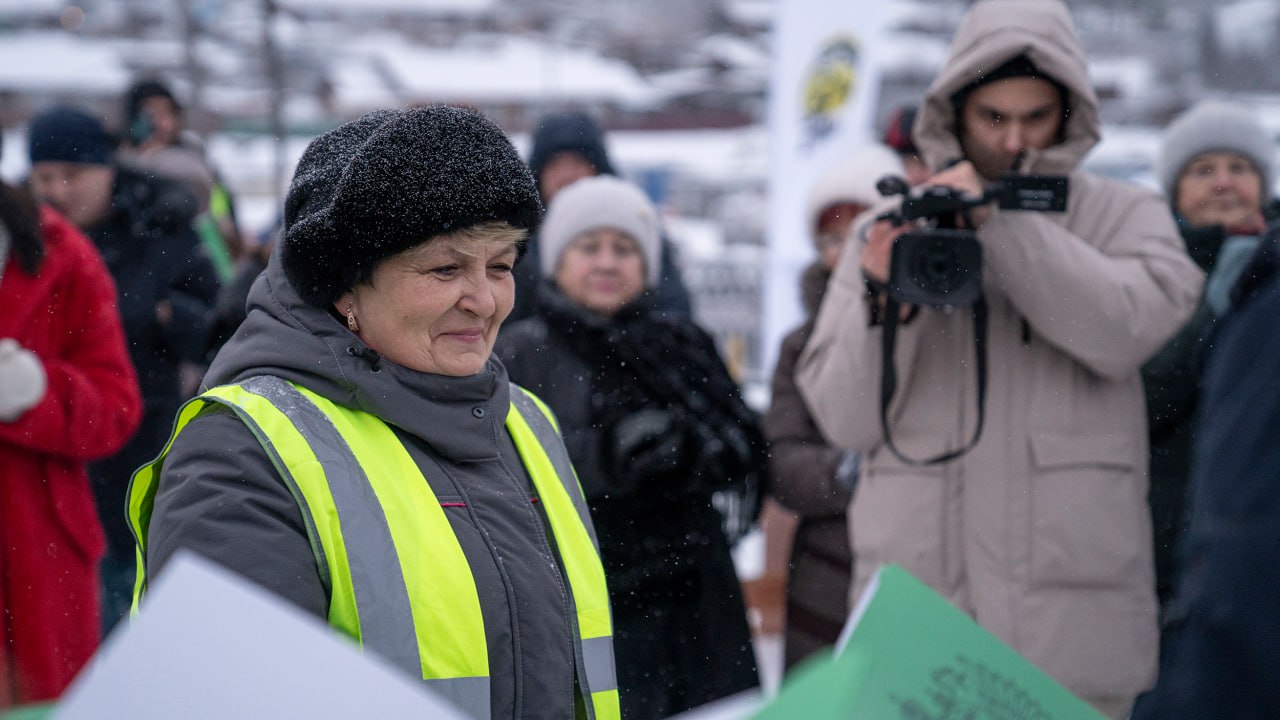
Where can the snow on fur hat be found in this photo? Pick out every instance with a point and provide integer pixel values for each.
(602, 201)
(1213, 125)
(852, 180)
(390, 180)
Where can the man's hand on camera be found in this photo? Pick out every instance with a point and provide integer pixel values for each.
(877, 252)
(963, 176)
(875, 258)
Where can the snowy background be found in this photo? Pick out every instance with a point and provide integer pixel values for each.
(680, 84)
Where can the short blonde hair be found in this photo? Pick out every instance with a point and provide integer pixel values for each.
(467, 240)
(493, 231)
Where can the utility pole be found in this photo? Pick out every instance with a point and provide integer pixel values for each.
(276, 87)
(195, 73)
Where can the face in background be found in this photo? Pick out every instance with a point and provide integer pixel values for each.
(80, 191)
(1219, 188)
(164, 120)
(1001, 119)
(436, 307)
(563, 169)
(602, 270)
(833, 231)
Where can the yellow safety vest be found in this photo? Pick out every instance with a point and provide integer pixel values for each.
(427, 616)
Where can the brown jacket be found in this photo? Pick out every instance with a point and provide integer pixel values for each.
(802, 476)
(1041, 532)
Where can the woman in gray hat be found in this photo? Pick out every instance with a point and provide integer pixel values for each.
(361, 454)
(655, 426)
(1215, 168)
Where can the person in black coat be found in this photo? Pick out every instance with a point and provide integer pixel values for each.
(1222, 638)
(654, 425)
(166, 286)
(1215, 167)
(567, 147)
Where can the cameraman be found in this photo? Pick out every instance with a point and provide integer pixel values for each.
(1041, 531)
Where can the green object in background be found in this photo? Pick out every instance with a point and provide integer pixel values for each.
(215, 247)
(910, 654)
(28, 712)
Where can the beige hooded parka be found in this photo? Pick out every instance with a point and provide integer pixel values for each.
(1041, 532)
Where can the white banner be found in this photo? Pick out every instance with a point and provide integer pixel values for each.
(822, 98)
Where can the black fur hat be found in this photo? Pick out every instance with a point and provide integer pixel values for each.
(390, 180)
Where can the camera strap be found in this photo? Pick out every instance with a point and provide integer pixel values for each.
(889, 378)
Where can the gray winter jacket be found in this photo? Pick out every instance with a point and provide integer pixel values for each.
(220, 496)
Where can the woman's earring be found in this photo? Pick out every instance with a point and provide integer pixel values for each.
(351, 321)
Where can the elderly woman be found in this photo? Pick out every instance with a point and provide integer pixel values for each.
(361, 454)
(1215, 167)
(655, 425)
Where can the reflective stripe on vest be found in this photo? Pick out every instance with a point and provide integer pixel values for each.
(421, 615)
(531, 426)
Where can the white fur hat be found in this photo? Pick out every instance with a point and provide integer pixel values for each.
(1214, 125)
(852, 178)
(602, 201)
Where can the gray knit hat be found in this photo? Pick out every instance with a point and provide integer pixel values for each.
(1214, 126)
(383, 183)
(602, 201)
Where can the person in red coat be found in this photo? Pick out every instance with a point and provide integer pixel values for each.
(68, 394)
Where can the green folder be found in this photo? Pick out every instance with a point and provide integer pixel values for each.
(908, 653)
(39, 711)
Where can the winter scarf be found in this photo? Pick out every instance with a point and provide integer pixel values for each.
(640, 360)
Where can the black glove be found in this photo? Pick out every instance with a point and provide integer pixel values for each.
(646, 445)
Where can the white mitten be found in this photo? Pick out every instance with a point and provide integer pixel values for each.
(22, 380)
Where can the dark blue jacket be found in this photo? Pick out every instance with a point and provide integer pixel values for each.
(1221, 647)
(154, 256)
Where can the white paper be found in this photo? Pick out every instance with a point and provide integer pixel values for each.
(210, 644)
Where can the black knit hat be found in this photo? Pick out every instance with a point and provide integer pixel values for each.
(67, 134)
(1015, 67)
(569, 132)
(143, 89)
(392, 179)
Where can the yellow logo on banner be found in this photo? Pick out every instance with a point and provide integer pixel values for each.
(829, 86)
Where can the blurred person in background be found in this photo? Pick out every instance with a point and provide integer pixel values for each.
(157, 140)
(567, 147)
(1040, 530)
(654, 425)
(230, 309)
(1221, 644)
(807, 475)
(1215, 167)
(362, 454)
(898, 135)
(141, 225)
(68, 395)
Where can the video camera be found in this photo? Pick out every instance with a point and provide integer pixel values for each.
(940, 264)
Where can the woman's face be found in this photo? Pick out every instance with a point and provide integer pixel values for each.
(602, 270)
(436, 307)
(1219, 188)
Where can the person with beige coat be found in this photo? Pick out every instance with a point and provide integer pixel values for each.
(1041, 531)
